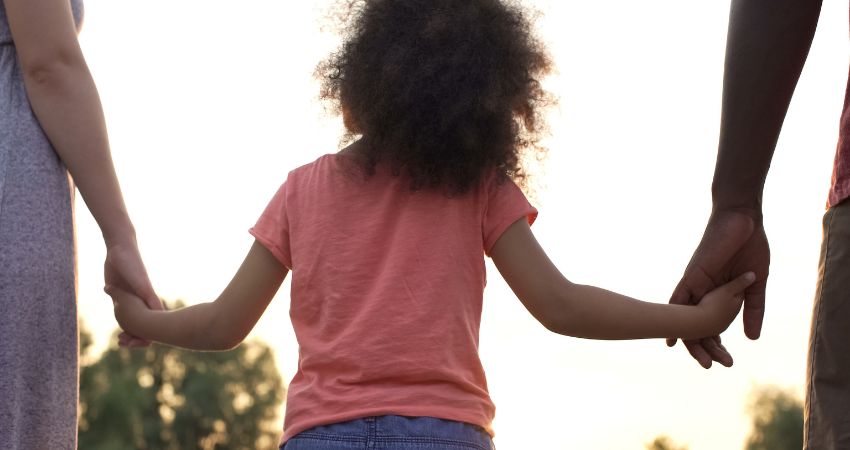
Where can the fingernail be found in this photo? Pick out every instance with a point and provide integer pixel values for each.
(750, 276)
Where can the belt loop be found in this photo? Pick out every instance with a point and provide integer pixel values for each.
(371, 432)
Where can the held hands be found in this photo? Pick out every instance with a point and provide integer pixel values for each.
(721, 305)
(128, 310)
(124, 271)
(734, 242)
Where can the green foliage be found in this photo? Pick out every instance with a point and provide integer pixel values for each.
(664, 443)
(86, 340)
(777, 420)
(164, 398)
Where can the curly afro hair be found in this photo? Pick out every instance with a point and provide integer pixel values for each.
(445, 91)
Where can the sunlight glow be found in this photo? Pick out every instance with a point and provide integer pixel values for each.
(210, 103)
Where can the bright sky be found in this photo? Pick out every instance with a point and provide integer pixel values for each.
(210, 103)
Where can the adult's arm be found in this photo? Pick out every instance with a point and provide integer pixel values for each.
(767, 45)
(65, 101)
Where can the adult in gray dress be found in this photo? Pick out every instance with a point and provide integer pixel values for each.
(51, 123)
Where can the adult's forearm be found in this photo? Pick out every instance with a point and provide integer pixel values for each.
(767, 45)
(66, 103)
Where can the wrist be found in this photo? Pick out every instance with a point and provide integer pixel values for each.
(137, 322)
(725, 197)
(119, 234)
(696, 323)
(751, 209)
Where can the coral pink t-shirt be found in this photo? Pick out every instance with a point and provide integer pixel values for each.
(387, 287)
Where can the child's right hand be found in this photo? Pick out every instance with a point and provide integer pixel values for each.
(129, 309)
(721, 305)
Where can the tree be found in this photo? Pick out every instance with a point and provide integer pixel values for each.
(664, 443)
(165, 398)
(777, 420)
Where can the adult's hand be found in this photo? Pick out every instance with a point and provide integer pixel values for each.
(125, 270)
(734, 242)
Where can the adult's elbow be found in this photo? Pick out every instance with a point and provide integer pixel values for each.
(52, 69)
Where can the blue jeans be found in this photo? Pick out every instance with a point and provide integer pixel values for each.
(392, 433)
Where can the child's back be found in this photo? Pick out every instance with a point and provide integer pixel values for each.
(387, 288)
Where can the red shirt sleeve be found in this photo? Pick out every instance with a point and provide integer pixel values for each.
(504, 204)
(272, 228)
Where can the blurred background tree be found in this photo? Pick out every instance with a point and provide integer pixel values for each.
(165, 398)
(777, 420)
(664, 443)
(777, 416)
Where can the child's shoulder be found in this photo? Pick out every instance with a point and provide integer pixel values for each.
(321, 165)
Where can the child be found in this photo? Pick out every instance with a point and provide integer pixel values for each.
(386, 239)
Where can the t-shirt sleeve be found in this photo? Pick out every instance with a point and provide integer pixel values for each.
(272, 228)
(505, 204)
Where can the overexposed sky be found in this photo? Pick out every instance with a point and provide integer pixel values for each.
(210, 103)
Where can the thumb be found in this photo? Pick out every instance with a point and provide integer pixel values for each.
(139, 284)
(146, 292)
(739, 284)
(153, 302)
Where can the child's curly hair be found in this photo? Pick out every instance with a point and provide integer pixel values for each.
(444, 90)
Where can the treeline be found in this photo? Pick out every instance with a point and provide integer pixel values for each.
(165, 398)
(777, 422)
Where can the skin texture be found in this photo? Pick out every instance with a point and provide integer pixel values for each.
(218, 325)
(65, 101)
(594, 313)
(561, 306)
(767, 45)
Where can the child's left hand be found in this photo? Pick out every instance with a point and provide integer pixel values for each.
(721, 305)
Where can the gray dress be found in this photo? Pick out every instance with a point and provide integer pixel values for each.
(38, 310)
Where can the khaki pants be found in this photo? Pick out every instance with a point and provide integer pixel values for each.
(827, 410)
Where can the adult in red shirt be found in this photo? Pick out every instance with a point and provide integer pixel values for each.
(767, 44)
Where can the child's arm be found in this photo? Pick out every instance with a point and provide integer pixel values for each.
(594, 313)
(219, 325)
